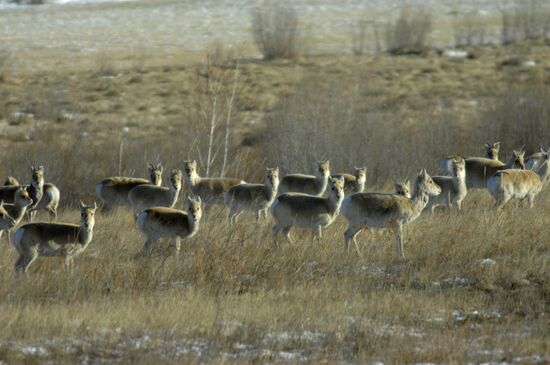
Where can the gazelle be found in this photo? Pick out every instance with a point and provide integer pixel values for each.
(479, 170)
(307, 184)
(453, 188)
(403, 187)
(167, 222)
(49, 201)
(113, 191)
(354, 183)
(536, 159)
(54, 239)
(253, 197)
(211, 190)
(35, 189)
(307, 211)
(146, 196)
(382, 210)
(18, 209)
(518, 184)
(446, 165)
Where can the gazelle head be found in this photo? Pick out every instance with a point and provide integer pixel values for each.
(22, 197)
(518, 158)
(190, 169)
(403, 187)
(175, 179)
(459, 168)
(87, 216)
(425, 184)
(194, 209)
(155, 174)
(323, 168)
(336, 187)
(6, 222)
(361, 174)
(491, 149)
(37, 176)
(272, 177)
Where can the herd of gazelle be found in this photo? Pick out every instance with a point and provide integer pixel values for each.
(295, 200)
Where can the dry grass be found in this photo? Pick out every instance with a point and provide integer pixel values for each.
(529, 19)
(230, 297)
(230, 291)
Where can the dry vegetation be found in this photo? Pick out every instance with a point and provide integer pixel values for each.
(471, 287)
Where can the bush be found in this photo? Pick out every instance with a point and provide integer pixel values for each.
(527, 20)
(275, 31)
(469, 29)
(408, 34)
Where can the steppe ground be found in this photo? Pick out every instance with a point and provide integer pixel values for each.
(88, 103)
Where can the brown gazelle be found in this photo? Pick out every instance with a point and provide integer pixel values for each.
(6, 221)
(307, 211)
(518, 184)
(536, 159)
(113, 191)
(354, 183)
(446, 165)
(479, 170)
(403, 187)
(146, 196)
(307, 184)
(49, 201)
(453, 188)
(54, 239)
(211, 190)
(382, 210)
(253, 197)
(161, 222)
(18, 209)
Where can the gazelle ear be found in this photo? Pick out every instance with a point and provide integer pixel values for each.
(159, 167)
(496, 145)
(487, 145)
(82, 205)
(41, 168)
(150, 166)
(94, 206)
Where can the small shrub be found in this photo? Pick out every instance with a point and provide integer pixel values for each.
(469, 29)
(275, 31)
(409, 33)
(527, 20)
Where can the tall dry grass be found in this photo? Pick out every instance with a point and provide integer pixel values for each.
(528, 19)
(409, 33)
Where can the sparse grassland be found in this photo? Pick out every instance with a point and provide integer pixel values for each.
(474, 287)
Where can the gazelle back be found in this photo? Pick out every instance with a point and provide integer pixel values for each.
(354, 183)
(307, 184)
(446, 165)
(113, 191)
(211, 190)
(146, 196)
(479, 170)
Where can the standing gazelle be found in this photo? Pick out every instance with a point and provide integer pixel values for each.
(167, 222)
(54, 239)
(446, 165)
(536, 159)
(147, 196)
(453, 188)
(307, 211)
(18, 209)
(518, 184)
(382, 210)
(479, 170)
(307, 184)
(211, 190)
(354, 183)
(113, 191)
(253, 197)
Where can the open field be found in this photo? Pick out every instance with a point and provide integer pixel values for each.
(91, 91)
